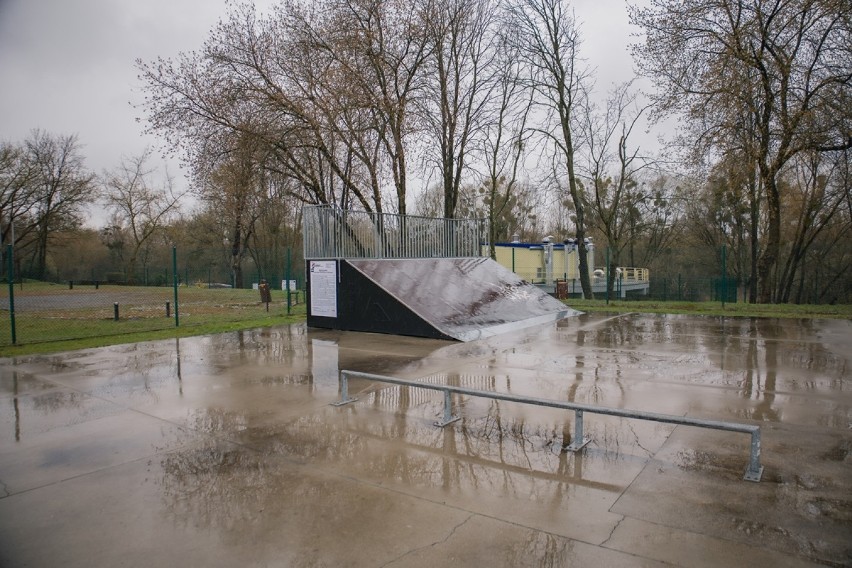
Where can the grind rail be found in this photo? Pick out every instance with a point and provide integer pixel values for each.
(753, 472)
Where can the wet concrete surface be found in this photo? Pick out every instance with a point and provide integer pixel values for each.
(225, 451)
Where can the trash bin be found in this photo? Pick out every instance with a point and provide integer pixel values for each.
(265, 294)
(562, 289)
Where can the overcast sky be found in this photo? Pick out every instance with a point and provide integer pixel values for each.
(67, 66)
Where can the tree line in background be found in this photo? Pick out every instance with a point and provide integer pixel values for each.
(46, 194)
(457, 108)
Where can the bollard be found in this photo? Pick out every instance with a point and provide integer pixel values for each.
(115, 311)
(96, 284)
(168, 311)
(70, 284)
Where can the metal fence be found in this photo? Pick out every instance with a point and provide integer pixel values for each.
(691, 275)
(753, 472)
(331, 232)
(188, 291)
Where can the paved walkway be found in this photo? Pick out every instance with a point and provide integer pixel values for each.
(224, 450)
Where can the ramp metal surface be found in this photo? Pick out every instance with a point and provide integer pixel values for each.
(463, 298)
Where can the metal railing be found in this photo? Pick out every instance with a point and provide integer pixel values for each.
(753, 472)
(630, 273)
(331, 232)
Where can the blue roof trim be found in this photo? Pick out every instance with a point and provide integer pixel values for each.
(534, 246)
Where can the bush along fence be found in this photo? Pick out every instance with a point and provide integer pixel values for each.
(33, 311)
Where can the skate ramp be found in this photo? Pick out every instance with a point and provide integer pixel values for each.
(446, 298)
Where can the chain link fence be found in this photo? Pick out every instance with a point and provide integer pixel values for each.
(687, 274)
(188, 292)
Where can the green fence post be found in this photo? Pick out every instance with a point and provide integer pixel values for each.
(175, 278)
(287, 278)
(11, 275)
(724, 276)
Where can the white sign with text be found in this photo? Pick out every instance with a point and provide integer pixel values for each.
(323, 288)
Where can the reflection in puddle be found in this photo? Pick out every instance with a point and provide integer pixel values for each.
(177, 366)
(214, 486)
(16, 407)
(404, 446)
(542, 549)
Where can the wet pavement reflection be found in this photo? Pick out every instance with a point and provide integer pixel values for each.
(232, 437)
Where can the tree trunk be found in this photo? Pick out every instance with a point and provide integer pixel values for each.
(769, 258)
(755, 251)
(579, 208)
(492, 231)
(236, 264)
(131, 269)
(585, 281)
(41, 256)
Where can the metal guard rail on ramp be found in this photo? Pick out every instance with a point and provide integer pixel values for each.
(753, 472)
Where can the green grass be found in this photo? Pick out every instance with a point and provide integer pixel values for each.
(113, 333)
(843, 311)
(50, 317)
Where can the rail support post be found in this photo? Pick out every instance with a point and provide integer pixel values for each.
(755, 470)
(448, 411)
(344, 391)
(580, 440)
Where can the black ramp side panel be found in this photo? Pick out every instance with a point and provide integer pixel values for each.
(363, 305)
(461, 298)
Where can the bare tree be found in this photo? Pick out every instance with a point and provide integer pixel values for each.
(548, 41)
(385, 49)
(662, 213)
(783, 65)
(611, 168)
(327, 87)
(357, 64)
(462, 67)
(62, 187)
(251, 80)
(141, 206)
(506, 138)
(17, 195)
(236, 192)
(816, 197)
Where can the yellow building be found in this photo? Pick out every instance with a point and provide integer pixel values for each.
(547, 262)
(544, 263)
